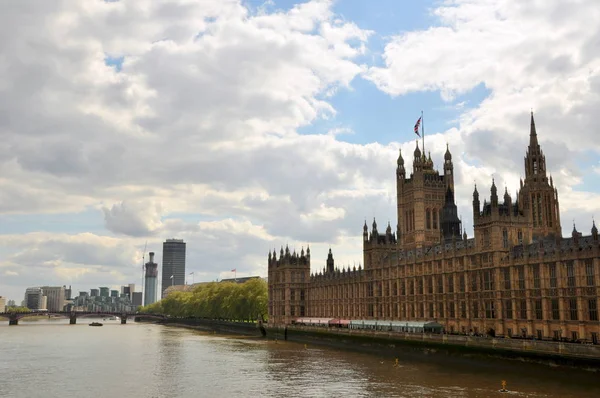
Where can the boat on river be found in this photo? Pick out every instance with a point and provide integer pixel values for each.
(95, 324)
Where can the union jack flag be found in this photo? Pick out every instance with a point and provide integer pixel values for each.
(417, 127)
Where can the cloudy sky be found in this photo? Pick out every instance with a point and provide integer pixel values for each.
(244, 125)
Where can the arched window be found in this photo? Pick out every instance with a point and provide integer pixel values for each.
(505, 238)
(435, 218)
(428, 216)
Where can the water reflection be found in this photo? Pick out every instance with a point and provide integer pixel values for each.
(155, 361)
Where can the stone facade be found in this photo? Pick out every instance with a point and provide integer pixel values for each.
(516, 277)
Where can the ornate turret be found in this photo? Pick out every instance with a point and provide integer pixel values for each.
(400, 171)
(594, 230)
(447, 155)
(450, 223)
(365, 232)
(330, 262)
(537, 197)
(494, 194)
(290, 271)
(507, 198)
(418, 160)
(417, 152)
(476, 204)
(448, 169)
(575, 235)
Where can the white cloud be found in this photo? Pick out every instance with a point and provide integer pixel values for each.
(200, 120)
(133, 218)
(195, 136)
(543, 55)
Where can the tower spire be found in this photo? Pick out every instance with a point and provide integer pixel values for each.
(533, 141)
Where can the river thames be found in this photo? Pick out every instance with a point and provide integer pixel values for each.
(54, 359)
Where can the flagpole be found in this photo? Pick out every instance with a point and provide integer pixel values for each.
(423, 132)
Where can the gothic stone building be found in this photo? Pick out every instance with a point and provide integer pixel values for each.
(517, 277)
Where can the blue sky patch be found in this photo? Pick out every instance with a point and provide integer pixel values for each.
(116, 62)
(90, 220)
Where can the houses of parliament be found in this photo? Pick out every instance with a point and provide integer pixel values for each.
(516, 277)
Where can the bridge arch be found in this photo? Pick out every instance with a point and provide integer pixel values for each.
(13, 317)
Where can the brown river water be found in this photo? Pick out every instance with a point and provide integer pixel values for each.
(54, 359)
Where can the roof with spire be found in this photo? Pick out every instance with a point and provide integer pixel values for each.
(447, 155)
(417, 153)
(400, 158)
(533, 141)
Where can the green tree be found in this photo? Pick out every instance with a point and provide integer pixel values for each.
(17, 310)
(216, 300)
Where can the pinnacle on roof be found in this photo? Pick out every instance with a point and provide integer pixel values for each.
(533, 141)
(417, 151)
(447, 155)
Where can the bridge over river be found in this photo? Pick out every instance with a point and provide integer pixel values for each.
(13, 317)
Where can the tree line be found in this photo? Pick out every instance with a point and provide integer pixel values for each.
(18, 310)
(246, 301)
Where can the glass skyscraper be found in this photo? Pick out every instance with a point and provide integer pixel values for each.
(173, 264)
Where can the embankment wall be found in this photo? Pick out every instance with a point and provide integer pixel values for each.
(398, 344)
(211, 325)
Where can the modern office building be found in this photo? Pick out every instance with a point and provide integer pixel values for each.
(68, 293)
(94, 292)
(516, 277)
(34, 298)
(136, 298)
(128, 290)
(150, 281)
(173, 264)
(104, 292)
(55, 297)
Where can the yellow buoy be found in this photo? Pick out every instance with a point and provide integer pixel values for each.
(503, 389)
